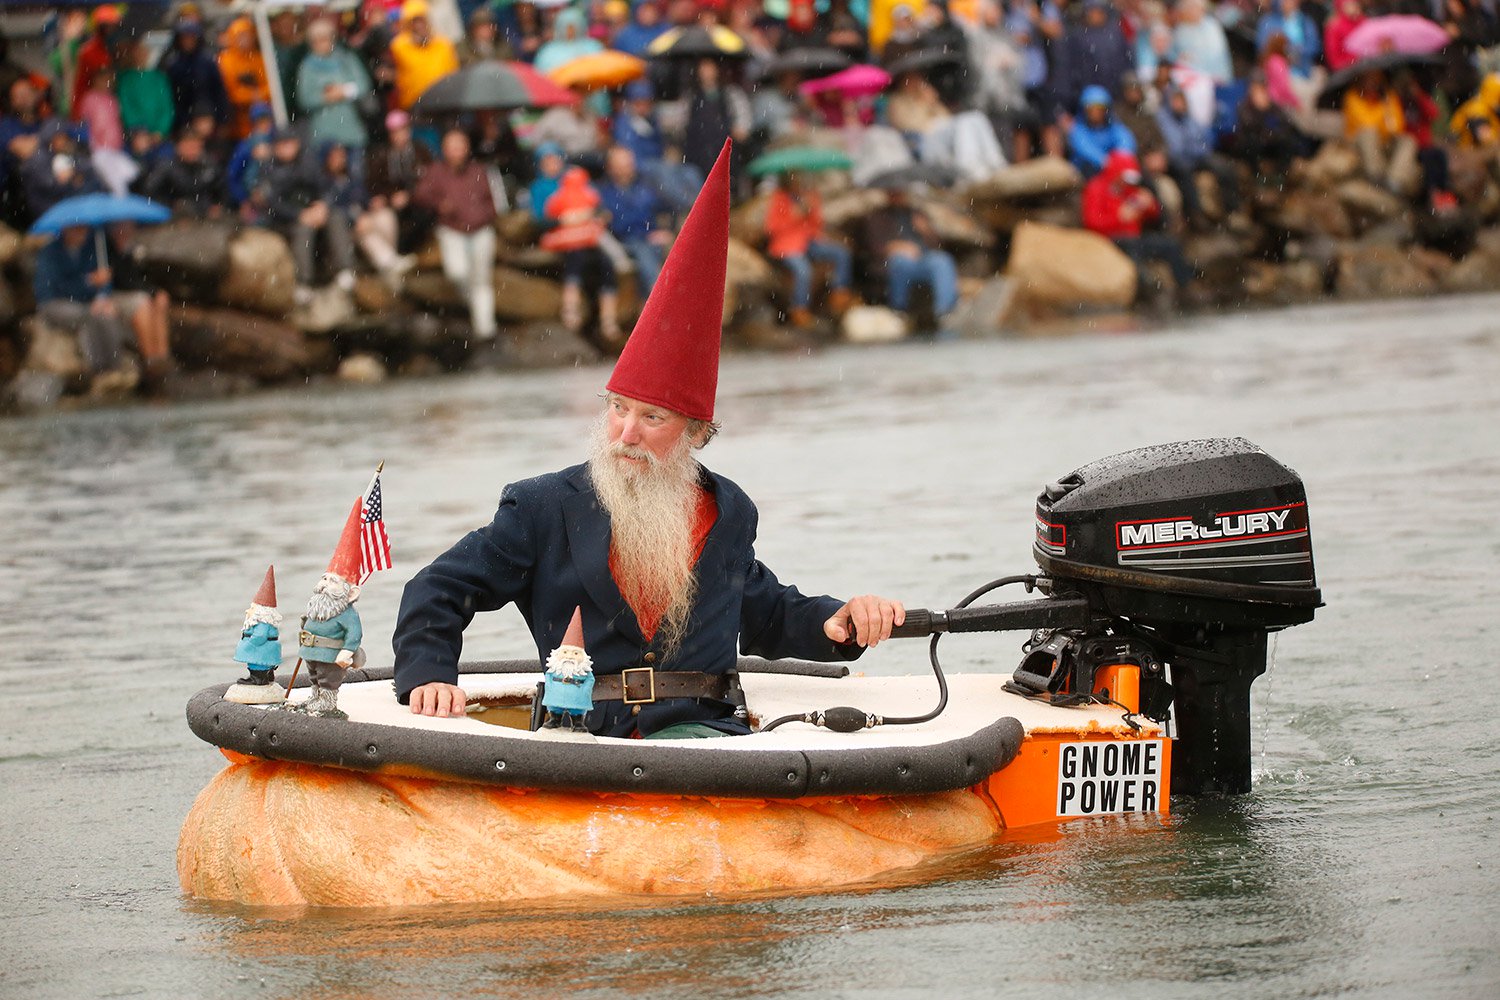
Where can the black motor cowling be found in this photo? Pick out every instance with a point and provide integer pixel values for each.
(1199, 549)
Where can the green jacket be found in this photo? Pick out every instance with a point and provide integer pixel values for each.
(145, 101)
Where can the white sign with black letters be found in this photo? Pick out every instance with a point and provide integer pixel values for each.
(1105, 778)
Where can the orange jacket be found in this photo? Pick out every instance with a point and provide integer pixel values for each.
(791, 227)
(244, 74)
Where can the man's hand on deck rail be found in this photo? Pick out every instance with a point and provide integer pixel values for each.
(439, 699)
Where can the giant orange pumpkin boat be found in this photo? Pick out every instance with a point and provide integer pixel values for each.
(1163, 571)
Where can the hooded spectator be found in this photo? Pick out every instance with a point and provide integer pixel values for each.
(645, 27)
(295, 193)
(1347, 15)
(570, 39)
(189, 182)
(145, 95)
(1095, 132)
(250, 156)
(1118, 207)
(1476, 123)
(577, 230)
(244, 73)
(1199, 43)
(330, 85)
(483, 41)
(193, 74)
(419, 56)
(1093, 53)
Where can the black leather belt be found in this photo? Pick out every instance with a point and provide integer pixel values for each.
(643, 685)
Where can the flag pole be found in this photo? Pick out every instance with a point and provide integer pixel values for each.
(378, 469)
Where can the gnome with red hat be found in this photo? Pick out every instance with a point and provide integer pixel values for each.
(259, 648)
(568, 683)
(330, 636)
(655, 549)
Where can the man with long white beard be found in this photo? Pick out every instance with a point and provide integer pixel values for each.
(331, 632)
(656, 550)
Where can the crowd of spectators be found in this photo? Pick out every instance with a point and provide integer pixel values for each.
(1155, 102)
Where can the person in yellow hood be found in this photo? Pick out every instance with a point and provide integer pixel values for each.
(244, 73)
(421, 56)
(1476, 123)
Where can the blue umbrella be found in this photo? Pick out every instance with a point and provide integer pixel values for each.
(99, 210)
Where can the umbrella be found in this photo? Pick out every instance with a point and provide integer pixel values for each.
(99, 210)
(799, 158)
(698, 42)
(1396, 33)
(94, 210)
(856, 81)
(924, 59)
(599, 70)
(491, 86)
(810, 61)
(1329, 96)
(902, 178)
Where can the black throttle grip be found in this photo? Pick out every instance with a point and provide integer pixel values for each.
(918, 624)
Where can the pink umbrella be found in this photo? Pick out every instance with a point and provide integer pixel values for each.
(1402, 33)
(856, 81)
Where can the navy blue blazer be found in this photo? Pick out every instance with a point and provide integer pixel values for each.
(547, 551)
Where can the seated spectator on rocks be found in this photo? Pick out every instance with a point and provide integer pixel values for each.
(635, 211)
(914, 107)
(346, 193)
(1278, 74)
(1420, 112)
(966, 144)
(1376, 123)
(457, 190)
(188, 182)
(20, 137)
(394, 225)
(145, 95)
(795, 236)
(775, 106)
(330, 85)
(1095, 132)
(901, 238)
(72, 293)
(1264, 136)
(296, 205)
(244, 73)
(59, 168)
(419, 56)
(142, 302)
(1476, 123)
(549, 170)
(249, 157)
(575, 210)
(635, 126)
(1190, 152)
(1116, 206)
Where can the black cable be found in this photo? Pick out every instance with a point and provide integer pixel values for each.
(937, 668)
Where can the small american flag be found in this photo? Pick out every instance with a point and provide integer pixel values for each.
(374, 546)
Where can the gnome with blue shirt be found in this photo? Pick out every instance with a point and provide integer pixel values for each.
(259, 649)
(331, 632)
(568, 684)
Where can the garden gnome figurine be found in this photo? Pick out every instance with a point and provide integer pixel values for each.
(568, 684)
(329, 640)
(260, 649)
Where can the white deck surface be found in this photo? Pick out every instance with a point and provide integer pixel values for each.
(974, 701)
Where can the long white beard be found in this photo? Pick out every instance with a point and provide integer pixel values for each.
(652, 508)
(329, 600)
(261, 613)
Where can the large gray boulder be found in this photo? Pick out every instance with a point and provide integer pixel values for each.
(1058, 269)
(259, 274)
(239, 343)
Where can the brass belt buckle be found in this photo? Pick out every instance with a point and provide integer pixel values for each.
(625, 685)
(305, 638)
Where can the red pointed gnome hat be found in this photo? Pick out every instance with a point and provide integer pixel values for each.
(345, 561)
(266, 595)
(574, 635)
(672, 357)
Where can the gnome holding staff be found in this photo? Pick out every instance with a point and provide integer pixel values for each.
(330, 635)
(259, 649)
(568, 684)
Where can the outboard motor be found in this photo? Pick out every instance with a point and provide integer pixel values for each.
(1195, 551)
(1178, 558)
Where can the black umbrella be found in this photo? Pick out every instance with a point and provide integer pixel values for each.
(1341, 81)
(902, 178)
(809, 62)
(698, 42)
(923, 59)
(491, 86)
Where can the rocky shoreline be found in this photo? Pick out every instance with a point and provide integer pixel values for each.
(1323, 232)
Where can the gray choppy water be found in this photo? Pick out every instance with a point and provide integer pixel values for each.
(1364, 863)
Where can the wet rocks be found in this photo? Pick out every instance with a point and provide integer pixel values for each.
(1044, 176)
(259, 273)
(873, 325)
(240, 343)
(362, 368)
(1379, 272)
(524, 297)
